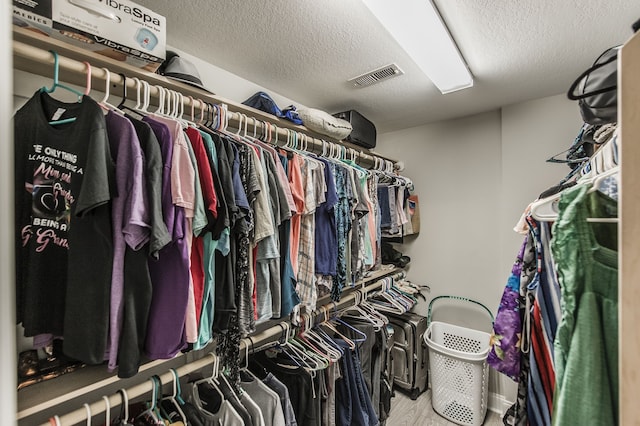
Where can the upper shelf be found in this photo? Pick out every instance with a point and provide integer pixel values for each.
(41, 63)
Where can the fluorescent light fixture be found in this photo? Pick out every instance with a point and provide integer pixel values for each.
(418, 28)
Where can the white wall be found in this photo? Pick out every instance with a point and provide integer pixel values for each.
(474, 177)
(229, 85)
(7, 298)
(453, 167)
(532, 132)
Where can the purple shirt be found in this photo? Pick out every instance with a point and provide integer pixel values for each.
(129, 215)
(170, 273)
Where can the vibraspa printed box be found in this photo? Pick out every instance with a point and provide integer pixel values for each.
(119, 29)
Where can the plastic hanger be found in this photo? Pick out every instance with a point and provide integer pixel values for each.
(107, 410)
(212, 380)
(290, 353)
(303, 339)
(124, 403)
(298, 351)
(105, 101)
(178, 391)
(190, 121)
(316, 360)
(146, 96)
(161, 99)
(135, 110)
(546, 209)
(173, 398)
(87, 89)
(275, 142)
(363, 336)
(331, 327)
(89, 415)
(219, 117)
(374, 320)
(56, 83)
(200, 121)
(331, 352)
(597, 180)
(55, 420)
(124, 90)
(152, 411)
(245, 368)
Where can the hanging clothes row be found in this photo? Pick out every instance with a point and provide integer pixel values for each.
(332, 371)
(557, 324)
(140, 234)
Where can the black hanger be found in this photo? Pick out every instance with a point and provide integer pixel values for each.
(124, 90)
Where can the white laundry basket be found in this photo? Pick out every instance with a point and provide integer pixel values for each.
(459, 370)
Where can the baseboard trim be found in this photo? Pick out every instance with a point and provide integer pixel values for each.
(498, 403)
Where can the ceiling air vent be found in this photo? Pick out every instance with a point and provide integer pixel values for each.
(376, 76)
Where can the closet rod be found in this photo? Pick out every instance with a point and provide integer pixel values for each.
(256, 341)
(236, 118)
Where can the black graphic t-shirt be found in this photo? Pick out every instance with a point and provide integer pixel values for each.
(64, 180)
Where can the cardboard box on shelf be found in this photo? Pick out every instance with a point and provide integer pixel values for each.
(119, 29)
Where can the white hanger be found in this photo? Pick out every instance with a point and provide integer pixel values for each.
(87, 89)
(105, 101)
(88, 410)
(107, 410)
(193, 105)
(161, 96)
(200, 121)
(138, 84)
(146, 96)
(333, 351)
(171, 103)
(546, 209)
(56, 420)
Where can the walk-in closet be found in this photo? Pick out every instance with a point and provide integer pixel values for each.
(319, 213)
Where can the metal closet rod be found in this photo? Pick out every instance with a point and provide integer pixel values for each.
(236, 119)
(254, 342)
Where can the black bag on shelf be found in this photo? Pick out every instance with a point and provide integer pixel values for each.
(363, 132)
(596, 89)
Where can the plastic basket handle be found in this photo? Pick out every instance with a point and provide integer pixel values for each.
(464, 299)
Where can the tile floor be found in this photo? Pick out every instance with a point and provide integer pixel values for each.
(405, 412)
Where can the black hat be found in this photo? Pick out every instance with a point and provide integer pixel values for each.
(180, 69)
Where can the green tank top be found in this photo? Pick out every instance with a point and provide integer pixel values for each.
(586, 344)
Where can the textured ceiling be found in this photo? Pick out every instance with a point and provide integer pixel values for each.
(306, 50)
